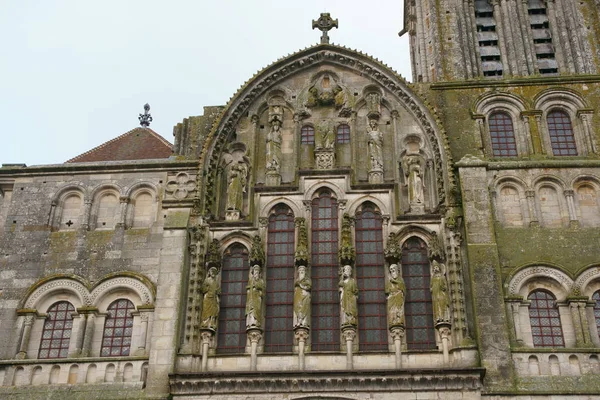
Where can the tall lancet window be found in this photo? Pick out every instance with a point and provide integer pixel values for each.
(279, 336)
(325, 322)
(372, 326)
(418, 306)
(232, 319)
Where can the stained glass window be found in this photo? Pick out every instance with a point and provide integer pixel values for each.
(232, 318)
(118, 328)
(546, 328)
(596, 299)
(325, 328)
(343, 134)
(562, 138)
(418, 306)
(307, 135)
(279, 335)
(372, 323)
(57, 331)
(502, 135)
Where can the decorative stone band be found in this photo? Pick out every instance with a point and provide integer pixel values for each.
(430, 380)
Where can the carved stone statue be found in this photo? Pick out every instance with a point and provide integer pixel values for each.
(274, 146)
(439, 293)
(375, 145)
(255, 292)
(415, 180)
(348, 297)
(211, 290)
(324, 136)
(373, 104)
(395, 290)
(302, 288)
(236, 187)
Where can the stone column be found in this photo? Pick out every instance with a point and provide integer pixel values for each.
(206, 335)
(80, 332)
(443, 329)
(571, 207)
(397, 333)
(28, 318)
(588, 132)
(144, 317)
(87, 211)
(349, 335)
(577, 307)
(86, 350)
(123, 202)
(527, 133)
(301, 336)
(485, 144)
(501, 37)
(543, 138)
(528, 47)
(508, 20)
(555, 32)
(514, 308)
(533, 216)
(52, 214)
(255, 335)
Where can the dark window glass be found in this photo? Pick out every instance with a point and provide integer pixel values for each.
(372, 323)
(57, 331)
(343, 134)
(279, 335)
(118, 327)
(232, 318)
(307, 135)
(418, 306)
(502, 135)
(561, 134)
(546, 328)
(325, 328)
(596, 299)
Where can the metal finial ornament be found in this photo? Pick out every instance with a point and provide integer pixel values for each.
(145, 118)
(325, 23)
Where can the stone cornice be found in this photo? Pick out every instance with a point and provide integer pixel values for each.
(527, 81)
(530, 164)
(450, 379)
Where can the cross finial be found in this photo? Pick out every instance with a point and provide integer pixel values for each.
(145, 118)
(324, 24)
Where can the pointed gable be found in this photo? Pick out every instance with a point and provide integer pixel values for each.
(137, 144)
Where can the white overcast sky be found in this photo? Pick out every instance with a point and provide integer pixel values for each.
(74, 74)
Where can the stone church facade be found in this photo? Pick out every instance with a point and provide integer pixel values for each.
(333, 232)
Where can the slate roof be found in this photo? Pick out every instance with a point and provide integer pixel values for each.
(137, 144)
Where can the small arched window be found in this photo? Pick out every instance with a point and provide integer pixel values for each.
(596, 299)
(546, 329)
(502, 134)
(71, 212)
(108, 207)
(307, 135)
(56, 335)
(118, 328)
(343, 134)
(142, 210)
(560, 130)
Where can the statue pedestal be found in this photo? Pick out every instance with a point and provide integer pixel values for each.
(376, 176)
(444, 331)
(232, 215)
(301, 334)
(273, 178)
(417, 208)
(324, 159)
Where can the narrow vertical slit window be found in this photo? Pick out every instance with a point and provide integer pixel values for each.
(343, 134)
(307, 135)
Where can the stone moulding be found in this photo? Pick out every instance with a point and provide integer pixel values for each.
(432, 380)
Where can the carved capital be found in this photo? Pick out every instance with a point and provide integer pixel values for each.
(255, 335)
(569, 193)
(124, 199)
(349, 334)
(206, 335)
(530, 193)
(263, 221)
(301, 334)
(144, 317)
(397, 332)
(307, 205)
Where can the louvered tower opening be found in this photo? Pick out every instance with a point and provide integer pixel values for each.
(488, 39)
(542, 37)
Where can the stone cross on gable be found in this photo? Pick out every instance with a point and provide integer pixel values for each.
(145, 118)
(324, 24)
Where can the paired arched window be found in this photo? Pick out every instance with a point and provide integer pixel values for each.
(418, 306)
(118, 329)
(307, 135)
(56, 335)
(343, 134)
(279, 336)
(372, 322)
(546, 328)
(502, 135)
(325, 321)
(232, 321)
(560, 130)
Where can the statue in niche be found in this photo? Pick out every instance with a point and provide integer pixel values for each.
(439, 293)
(236, 185)
(375, 146)
(414, 175)
(373, 104)
(348, 297)
(302, 288)
(274, 146)
(324, 135)
(211, 291)
(323, 93)
(254, 297)
(395, 290)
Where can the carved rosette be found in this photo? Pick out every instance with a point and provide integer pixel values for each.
(257, 252)
(180, 186)
(347, 253)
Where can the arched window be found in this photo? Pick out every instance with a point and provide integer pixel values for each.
(502, 134)
(562, 138)
(71, 212)
(232, 320)
(325, 327)
(108, 207)
(57, 331)
(418, 306)
(307, 135)
(372, 323)
(279, 336)
(596, 299)
(343, 134)
(587, 198)
(142, 210)
(546, 329)
(118, 328)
